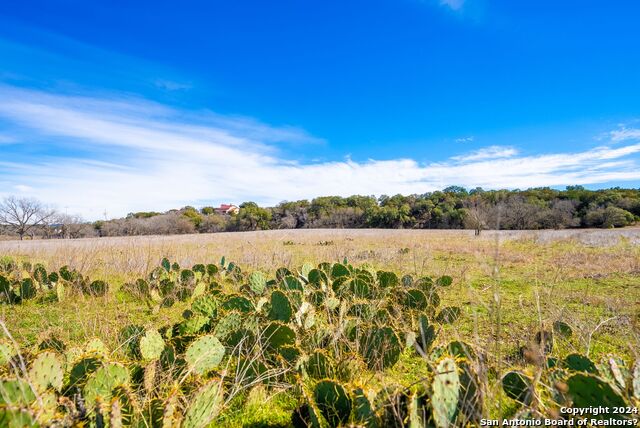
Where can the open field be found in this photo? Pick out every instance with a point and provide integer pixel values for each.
(508, 285)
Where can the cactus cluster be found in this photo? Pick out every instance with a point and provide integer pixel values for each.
(318, 330)
(27, 282)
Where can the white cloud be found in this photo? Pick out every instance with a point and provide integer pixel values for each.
(465, 139)
(130, 155)
(624, 134)
(491, 152)
(453, 4)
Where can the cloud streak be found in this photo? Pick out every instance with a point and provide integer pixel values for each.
(128, 154)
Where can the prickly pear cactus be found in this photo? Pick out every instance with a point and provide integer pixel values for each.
(257, 283)
(448, 315)
(16, 418)
(426, 333)
(562, 329)
(97, 288)
(579, 363)
(7, 351)
(151, 345)
(204, 354)
(518, 386)
(16, 393)
(363, 412)
(445, 392)
(588, 391)
(333, 401)
(319, 365)
(277, 335)
(380, 347)
(27, 289)
(205, 406)
(80, 371)
(103, 381)
(47, 370)
(280, 307)
(227, 325)
(205, 305)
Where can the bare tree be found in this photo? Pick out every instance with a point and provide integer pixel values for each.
(477, 214)
(23, 215)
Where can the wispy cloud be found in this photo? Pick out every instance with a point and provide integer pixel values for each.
(468, 139)
(624, 134)
(124, 154)
(491, 152)
(453, 4)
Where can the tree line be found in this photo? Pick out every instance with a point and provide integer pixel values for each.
(451, 208)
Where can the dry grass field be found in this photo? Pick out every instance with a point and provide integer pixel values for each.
(509, 285)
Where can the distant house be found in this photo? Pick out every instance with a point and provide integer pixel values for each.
(227, 209)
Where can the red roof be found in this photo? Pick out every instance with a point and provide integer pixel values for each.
(225, 206)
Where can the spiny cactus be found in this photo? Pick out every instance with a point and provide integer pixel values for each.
(204, 354)
(579, 363)
(448, 315)
(80, 371)
(333, 401)
(236, 302)
(445, 392)
(97, 288)
(363, 411)
(16, 418)
(7, 351)
(277, 335)
(205, 405)
(317, 278)
(319, 365)
(257, 283)
(279, 307)
(194, 324)
(27, 289)
(166, 264)
(380, 347)
(151, 345)
(206, 305)
(228, 324)
(16, 392)
(588, 391)
(562, 329)
(47, 370)
(101, 384)
(415, 299)
(518, 386)
(97, 347)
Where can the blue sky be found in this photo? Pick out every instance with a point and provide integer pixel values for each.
(127, 106)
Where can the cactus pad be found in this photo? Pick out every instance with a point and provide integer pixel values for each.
(587, 390)
(204, 354)
(47, 370)
(579, 363)
(333, 401)
(445, 392)
(319, 365)
(380, 347)
(103, 381)
(257, 283)
(151, 345)
(518, 387)
(277, 335)
(205, 406)
(280, 307)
